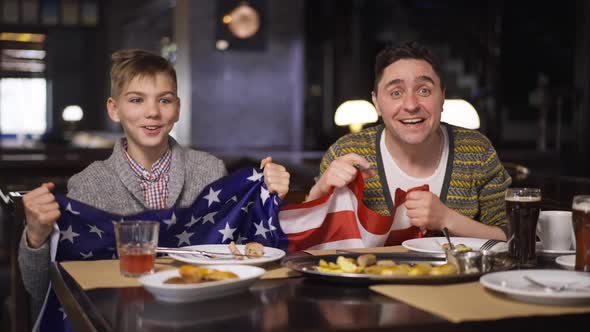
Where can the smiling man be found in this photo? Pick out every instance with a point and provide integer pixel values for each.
(466, 181)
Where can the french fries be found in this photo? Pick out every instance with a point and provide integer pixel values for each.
(384, 268)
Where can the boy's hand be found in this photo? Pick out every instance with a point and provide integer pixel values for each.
(340, 173)
(41, 213)
(276, 177)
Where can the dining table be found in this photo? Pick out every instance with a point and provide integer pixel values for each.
(96, 298)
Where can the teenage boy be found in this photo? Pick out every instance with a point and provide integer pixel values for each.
(148, 169)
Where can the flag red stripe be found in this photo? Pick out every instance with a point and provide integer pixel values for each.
(337, 226)
(398, 236)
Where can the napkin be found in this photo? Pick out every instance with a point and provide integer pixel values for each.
(469, 302)
(105, 273)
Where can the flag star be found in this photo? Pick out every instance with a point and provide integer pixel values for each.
(228, 233)
(264, 195)
(170, 222)
(234, 198)
(114, 256)
(275, 200)
(209, 218)
(212, 196)
(270, 226)
(193, 221)
(70, 210)
(86, 256)
(255, 176)
(245, 208)
(64, 313)
(184, 238)
(95, 229)
(241, 239)
(68, 234)
(260, 230)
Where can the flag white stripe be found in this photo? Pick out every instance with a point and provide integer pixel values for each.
(303, 219)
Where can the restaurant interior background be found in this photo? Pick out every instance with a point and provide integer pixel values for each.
(275, 93)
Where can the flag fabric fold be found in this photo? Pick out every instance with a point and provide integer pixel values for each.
(237, 207)
(340, 220)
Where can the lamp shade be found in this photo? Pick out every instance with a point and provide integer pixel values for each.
(355, 113)
(460, 113)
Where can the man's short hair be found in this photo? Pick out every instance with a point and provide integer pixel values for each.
(131, 63)
(407, 50)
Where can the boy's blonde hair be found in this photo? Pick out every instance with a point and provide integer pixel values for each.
(131, 63)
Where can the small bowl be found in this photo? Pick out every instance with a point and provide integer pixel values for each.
(467, 262)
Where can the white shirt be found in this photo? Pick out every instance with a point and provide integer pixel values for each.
(396, 178)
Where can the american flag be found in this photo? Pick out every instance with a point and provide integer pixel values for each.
(236, 208)
(340, 220)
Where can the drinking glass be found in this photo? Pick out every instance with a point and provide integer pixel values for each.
(522, 210)
(581, 223)
(136, 246)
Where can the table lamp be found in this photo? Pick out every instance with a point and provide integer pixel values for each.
(460, 113)
(354, 114)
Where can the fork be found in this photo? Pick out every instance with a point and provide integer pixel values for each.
(549, 288)
(489, 244)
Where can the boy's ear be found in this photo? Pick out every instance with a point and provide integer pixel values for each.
(112, 109)
(177, 109)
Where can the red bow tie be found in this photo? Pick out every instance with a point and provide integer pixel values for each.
(400, 194)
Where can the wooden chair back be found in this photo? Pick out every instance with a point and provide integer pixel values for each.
(19, 298)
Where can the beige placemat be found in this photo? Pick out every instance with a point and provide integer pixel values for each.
(105, 273)
(362, 250)
(468, 302)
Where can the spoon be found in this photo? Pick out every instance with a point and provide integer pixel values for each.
(446, 233)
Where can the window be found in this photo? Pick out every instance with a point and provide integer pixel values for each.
(23, 90)
(23, 106)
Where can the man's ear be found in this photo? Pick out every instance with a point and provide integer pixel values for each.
(113, 110)
(374, 98)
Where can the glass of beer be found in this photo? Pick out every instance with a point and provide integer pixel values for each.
(136, 246)
(581, 223)
(522, 209)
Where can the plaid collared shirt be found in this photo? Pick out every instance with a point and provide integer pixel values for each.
(154, 184)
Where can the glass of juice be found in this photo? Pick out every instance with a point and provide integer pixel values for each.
(136, 246)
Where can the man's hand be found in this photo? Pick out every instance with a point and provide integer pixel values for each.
(41, 213)
(276, 177)
(426, 211)
(340, 173)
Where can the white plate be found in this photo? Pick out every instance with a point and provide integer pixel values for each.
(270, 255)
(434, 244)
(513, 285)
(539, 248)
(175, 293)
(568, 262)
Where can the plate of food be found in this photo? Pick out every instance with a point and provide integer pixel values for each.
(191, 283)
(439, 244)
(402, 268)
(252, 253)
(556, 287)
